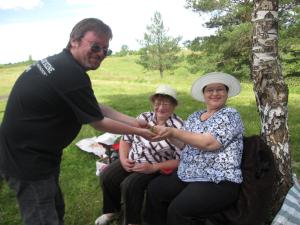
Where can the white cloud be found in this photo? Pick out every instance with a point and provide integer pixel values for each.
(128, 20)
(15, 4)
(36, 39)
(76, 2)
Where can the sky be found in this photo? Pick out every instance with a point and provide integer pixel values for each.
(39, 28)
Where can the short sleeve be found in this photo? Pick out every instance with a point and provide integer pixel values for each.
(84, 105)
(226, 125)
(128, 138)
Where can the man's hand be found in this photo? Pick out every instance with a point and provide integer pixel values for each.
(146, 133)
(162, 133)
(142, 123)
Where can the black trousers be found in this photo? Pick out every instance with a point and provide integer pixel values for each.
(40, 201)
(173, 202)
(125, 190)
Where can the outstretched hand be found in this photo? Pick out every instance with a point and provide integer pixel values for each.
(161, 132)
(156, 133)
(146, 133)
(142, 123)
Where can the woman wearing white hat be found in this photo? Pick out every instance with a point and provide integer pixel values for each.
(125, 180)
(209, 174)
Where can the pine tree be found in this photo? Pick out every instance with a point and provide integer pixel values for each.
(159, 51)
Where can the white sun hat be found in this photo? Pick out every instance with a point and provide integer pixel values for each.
(230, 81)
(165, 89)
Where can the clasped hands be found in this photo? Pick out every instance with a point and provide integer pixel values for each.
(161, 132)
(154, 133)
(145, 167)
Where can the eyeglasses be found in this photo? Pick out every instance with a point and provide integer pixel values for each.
(163, 104)
(217, 90)
(95, 48)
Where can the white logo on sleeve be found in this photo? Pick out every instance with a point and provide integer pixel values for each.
(45, 67)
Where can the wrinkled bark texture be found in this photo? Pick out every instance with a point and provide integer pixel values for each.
(271, 93)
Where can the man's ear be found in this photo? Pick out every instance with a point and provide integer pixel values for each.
(74, 43)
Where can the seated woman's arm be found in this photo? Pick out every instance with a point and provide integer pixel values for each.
(203, 141)
(169, 164)
(177, 143)
(126, 163)
(149, 168)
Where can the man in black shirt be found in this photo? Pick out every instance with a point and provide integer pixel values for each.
(46, 108)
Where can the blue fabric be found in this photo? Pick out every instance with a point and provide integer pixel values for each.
(218, 165)
(289, 213)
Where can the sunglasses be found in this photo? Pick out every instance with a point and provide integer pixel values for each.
(97, 48)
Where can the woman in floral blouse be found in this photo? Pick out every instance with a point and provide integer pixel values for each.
(209, 174)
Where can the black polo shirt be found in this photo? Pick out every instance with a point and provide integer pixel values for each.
(45, 111)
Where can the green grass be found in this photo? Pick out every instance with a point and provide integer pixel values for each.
(124, 85)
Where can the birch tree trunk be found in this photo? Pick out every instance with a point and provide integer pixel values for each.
(271, 93)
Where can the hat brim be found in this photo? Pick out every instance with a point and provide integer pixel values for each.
(215, 77)
(165, 89)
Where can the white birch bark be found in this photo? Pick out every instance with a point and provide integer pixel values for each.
(271, 92)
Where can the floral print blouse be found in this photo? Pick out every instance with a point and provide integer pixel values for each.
(217, 165)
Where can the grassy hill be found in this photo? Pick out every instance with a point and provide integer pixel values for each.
(125, 86)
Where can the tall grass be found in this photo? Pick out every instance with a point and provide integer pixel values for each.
(124, 85)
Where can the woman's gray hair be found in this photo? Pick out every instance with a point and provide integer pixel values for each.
(89, 24)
